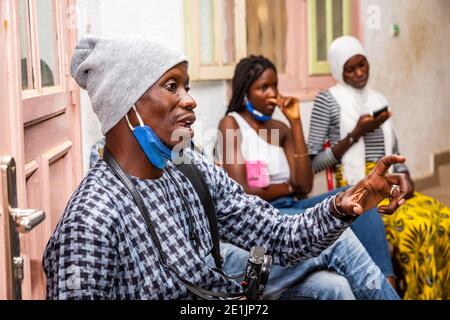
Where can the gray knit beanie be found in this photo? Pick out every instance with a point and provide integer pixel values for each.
(117, 72)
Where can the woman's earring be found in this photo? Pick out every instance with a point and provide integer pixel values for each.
(245, 100)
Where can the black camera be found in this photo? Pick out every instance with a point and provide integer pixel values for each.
(256, 273)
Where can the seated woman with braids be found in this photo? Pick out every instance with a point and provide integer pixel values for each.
(271, 160)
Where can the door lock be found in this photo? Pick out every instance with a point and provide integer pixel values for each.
(18, 268)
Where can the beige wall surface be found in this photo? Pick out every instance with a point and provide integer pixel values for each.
(413, 71)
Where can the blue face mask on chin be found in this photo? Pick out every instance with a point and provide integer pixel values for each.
(156, 152)
(256, 114)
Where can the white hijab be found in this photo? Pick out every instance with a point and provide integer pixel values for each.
(353, 104)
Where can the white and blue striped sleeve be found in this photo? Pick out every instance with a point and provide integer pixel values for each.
(320, 131)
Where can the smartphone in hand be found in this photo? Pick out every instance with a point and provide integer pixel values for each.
(378, 112)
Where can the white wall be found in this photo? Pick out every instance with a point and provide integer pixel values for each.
(211, 97)
(413, 71)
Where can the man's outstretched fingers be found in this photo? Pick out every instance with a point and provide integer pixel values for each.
(386, 162)
(402, 181)
(389, 209)
(397, 196)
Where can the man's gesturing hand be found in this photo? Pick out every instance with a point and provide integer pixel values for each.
(375, 187)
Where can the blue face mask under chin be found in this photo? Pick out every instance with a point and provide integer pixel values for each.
(157, 153)
(256, 114)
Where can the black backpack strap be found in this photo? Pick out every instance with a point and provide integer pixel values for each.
(195, 177)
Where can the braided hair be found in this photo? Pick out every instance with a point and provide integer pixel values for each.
(247, 71)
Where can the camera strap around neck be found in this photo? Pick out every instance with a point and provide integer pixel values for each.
(195, 177)
(205, 294)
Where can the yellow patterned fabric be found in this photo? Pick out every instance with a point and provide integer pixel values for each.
(419, 233)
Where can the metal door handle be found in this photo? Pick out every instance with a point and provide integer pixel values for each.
(27, 219)
(15, 221)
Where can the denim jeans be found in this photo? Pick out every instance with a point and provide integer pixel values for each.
(344, 271)
(369, 228)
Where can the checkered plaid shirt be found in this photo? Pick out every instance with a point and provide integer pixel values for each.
(101, 248)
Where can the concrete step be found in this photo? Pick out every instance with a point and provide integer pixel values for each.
(442, 191)
(444, 175)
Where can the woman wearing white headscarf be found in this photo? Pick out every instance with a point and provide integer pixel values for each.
(354, 119)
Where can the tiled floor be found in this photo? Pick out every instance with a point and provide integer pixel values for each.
(441, 192)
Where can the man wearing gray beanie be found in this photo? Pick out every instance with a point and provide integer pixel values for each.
(137, 227)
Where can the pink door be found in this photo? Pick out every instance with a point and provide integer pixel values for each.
(40, 130)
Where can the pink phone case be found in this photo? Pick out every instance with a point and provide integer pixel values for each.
(257, 174)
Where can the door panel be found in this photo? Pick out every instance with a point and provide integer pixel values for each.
(33, 248)
(49, 106)
(57, 165)
(45, 135)
(41, 127)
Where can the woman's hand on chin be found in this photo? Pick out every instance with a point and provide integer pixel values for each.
(290, 107)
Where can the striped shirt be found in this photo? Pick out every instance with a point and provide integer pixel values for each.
(101, 248)
(325, 126)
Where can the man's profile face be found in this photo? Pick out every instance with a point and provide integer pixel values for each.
(167, 107)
